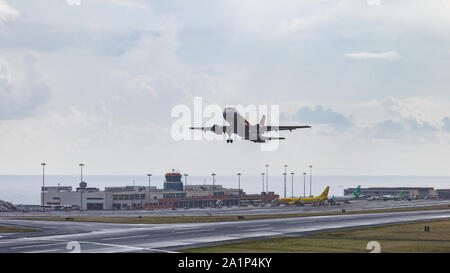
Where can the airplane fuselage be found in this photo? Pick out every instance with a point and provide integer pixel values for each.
(241, 126)
(304, 200)
(301, 200)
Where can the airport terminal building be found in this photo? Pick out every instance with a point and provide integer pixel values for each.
(443, 193)
(410, 192)
(173, 195)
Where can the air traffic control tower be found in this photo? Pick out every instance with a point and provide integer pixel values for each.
(173, 181)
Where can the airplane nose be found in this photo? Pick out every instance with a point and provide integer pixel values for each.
(227, 112)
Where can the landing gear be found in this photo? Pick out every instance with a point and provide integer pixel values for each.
(229, 139)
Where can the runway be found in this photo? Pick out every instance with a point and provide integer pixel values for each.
(109, 238)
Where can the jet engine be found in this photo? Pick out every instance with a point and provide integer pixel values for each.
(217, 129)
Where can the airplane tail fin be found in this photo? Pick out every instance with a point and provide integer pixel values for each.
(357, 190)
(263, 121)
(325, 192)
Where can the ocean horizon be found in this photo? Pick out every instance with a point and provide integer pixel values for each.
(25, 189)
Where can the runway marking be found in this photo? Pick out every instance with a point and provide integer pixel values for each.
(125, 246)
(47, 250)
(191, 228)
(250, 226)
(302, 221)
(260, 229)
(129, 248)
(293, 222)
(193, 241)
(190, 241)
(167, 244)
(126, 237)
(107, 250)
(194, 230)
(30, 246)
(256, 234)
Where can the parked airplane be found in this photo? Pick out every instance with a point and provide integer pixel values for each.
(303, 200)
(397, 197)
(346, 198)
(240, 126)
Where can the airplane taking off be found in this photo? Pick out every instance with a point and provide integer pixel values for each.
(303, 200)
(240, 126)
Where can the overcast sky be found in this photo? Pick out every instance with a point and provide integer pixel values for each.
(96, 83)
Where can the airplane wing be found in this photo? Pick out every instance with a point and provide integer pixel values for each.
(283, 128)
(215, 128)
(201, 128)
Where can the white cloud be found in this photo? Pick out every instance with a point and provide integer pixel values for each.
(20, 99)
(7, 12)
(117, 73)
(421, 109)
(390, 17)
(400, 119)
(129, 3)
(305, 23)
(321, 115)
(391, 55)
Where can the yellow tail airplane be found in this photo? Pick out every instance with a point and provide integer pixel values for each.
(303, 200)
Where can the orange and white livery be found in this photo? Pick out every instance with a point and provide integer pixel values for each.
(240, 126)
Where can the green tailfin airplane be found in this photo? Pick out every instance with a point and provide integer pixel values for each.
(346, 198)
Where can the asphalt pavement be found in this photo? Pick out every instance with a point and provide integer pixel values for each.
(66, 236)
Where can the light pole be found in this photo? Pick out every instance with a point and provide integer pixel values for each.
(81, 166)
(213, 187)
(81, 187)
(310, 180)
(43, 181)
(239, 186)
(185, 180)
(149, 177)
(285, 173)
(304, 184)
(262, 175)
(267, 178)
(185, 190)
(292, 184)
